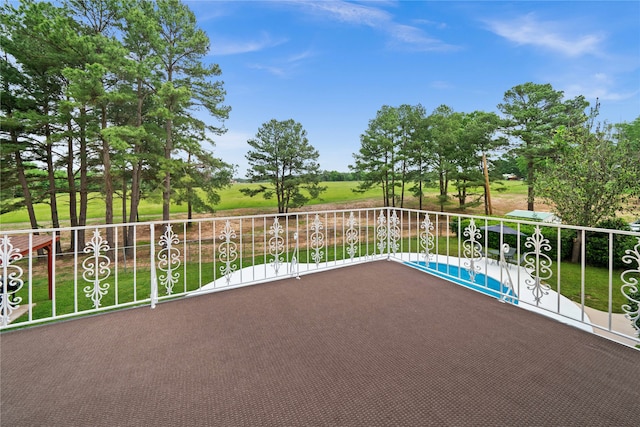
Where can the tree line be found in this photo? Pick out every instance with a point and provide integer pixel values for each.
(587, 170)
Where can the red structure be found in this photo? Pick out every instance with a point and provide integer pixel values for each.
(37, 242)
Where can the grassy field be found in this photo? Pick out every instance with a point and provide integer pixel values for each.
(232, 199)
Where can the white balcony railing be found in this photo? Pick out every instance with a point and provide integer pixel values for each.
(518, 262)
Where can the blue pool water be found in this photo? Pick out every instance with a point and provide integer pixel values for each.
(482, 283)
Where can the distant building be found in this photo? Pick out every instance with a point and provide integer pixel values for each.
(535, 216)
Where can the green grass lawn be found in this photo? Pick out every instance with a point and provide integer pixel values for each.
(151, 208)
(231, 198)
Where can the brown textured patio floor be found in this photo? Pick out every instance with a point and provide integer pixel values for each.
(377, 344)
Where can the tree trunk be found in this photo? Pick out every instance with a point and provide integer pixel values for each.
(530, 194)
(26, 192)
(125, 233)
(166, 193)
(108, 184)
(576, 249)
(84, 185)
(135, 175)
(53, 203)
(488, 209)
(404, 175)
(168, 148)
(71, 181)
(135, 199)
(22, 177)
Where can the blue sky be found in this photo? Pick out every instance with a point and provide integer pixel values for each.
(331, 65)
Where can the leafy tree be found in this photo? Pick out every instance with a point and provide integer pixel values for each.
(15, 140)
(506, 164)
(376, 159)
(628, 134)
(34, 36)
(184, 78)
(591, 179)
(532, 113)
(410, 137)
(283, 158)
(104, 88)
(388, 146)
(92, 77)
(135, 132)
(201, 175)
(475, 138)
(444, 125)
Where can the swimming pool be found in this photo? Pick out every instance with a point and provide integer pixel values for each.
(482, 283)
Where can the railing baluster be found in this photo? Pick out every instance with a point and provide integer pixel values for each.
(154, 280)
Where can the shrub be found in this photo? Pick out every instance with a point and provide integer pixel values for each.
(550, 233)
(597, 244)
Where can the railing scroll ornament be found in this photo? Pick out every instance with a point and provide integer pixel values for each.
(472, 249)
(317, 240)
(381, 232)
(228, 251)
(10, 279)
(426, 237)
(630, 288)
(169, 259)
(96, 268)
(276, 245)
(352, 236)
(394, 233)
(537, 264)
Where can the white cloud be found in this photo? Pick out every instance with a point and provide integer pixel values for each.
(300, 56)
(276, 71)
(601, 85)
(408, 36)
(222, 47)
(284, 67)
(551, 35)
(438, 25)
(415, 39)
(596, 89)
(440, 84)
(349, 12)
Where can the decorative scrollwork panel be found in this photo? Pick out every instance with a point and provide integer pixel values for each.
(169, 259)
(630, 288)
(381, 232)
(10, 279)
(276, 245)
(426, 238)
(538, 264)
(96, 268)
(472, 249)
(352, 236)
(228, 251)
(394, 232)
(317, 239)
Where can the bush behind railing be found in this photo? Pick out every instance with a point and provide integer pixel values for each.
(492, 239)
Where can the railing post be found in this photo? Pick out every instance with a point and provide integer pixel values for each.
(295, 269)
(154, 279)
(388, 233)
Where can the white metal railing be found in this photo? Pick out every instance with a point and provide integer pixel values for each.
(519, 262)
